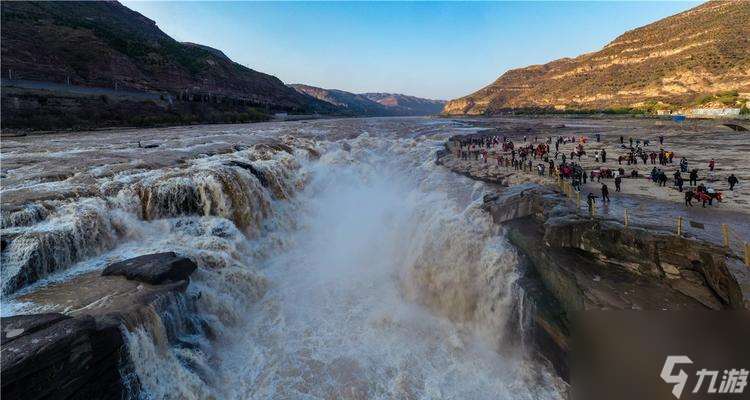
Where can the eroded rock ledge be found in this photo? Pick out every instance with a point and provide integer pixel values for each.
(590, 263)
(77, 351)
(580, 263)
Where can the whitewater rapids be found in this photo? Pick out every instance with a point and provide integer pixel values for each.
(368, 272)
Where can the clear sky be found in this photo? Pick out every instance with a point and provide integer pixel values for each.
(428, 49)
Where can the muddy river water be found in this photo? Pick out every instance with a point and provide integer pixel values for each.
(336, 259)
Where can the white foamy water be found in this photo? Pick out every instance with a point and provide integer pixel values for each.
(370, 273)
(392, 285)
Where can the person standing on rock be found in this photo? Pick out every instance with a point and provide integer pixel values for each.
(684, 164)
(618, 182)
(694, 177)
(605, 193)
(604, 155)
(661, 139)
(711, 165)
(678, 180)
(732, 180)
(662, 179)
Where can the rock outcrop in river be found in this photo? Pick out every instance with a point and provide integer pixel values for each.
(81, 354)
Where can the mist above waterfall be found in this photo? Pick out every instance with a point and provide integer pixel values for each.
(344, 264)
(389, 287)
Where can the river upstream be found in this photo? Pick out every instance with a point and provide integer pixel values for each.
(336, 260)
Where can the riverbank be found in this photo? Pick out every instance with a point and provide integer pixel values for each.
(600, 262)
(698, 141)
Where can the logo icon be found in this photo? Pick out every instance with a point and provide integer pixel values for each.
(680, 378)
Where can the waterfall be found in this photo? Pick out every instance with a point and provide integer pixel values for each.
(393, 283)
(42, 239)
(349, 266)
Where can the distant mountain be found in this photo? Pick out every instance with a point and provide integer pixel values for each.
(409, 104)
(699, 55)
(104, 44)
(346, 103)
(373, 104)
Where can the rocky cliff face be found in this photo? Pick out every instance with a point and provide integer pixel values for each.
(579, 263)
(105, 43)
(100, 63)
(373, 104)
(674, 62)
(582, 263)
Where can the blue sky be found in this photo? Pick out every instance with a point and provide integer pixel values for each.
(428, 49)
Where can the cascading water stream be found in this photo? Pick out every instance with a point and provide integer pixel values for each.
(391, 284)
(367, 273)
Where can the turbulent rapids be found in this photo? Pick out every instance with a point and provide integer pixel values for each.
(335, 259)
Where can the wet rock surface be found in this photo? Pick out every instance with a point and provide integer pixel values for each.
(543, 223)
(153, 268)
(77, 351)
(72, 358)
(19, 326)
(588, 263)
(581, 263)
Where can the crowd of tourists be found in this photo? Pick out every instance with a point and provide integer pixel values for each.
(537, 156)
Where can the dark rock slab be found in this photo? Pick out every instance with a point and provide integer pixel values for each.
(588, 263)
(18, 326)
(154, 269)
(81, 354)
(61, 357)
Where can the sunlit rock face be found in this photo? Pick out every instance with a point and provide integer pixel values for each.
(671, 62)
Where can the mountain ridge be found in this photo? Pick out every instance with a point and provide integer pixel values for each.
(85, 65)
(103, 44)
(373, 103)
(670, 63)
